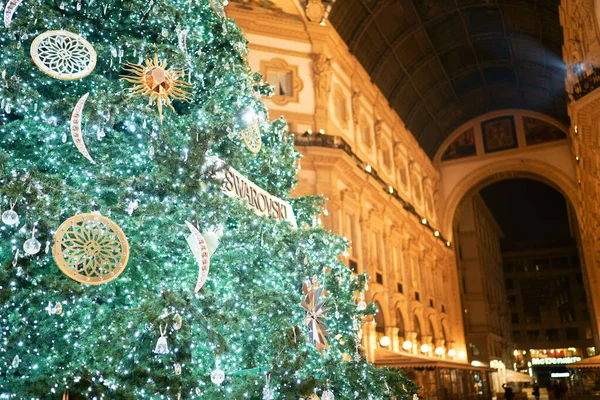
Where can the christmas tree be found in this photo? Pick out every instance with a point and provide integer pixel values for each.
(149, 247)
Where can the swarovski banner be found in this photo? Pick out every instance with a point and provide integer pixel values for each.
(257, 199)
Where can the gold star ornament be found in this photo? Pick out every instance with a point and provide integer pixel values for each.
(155, 81)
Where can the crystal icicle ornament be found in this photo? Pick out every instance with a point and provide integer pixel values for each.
(161, 346)
(178, 323)
(16, 361)
(16, 259)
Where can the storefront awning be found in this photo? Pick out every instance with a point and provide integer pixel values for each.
(591, 362)
(386, 358)
(514, 376)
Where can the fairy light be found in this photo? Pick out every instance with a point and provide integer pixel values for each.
(101, 344)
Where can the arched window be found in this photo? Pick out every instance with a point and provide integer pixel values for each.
(417, 330)
(400, 326)
(444, 335)
(431, 329)
(379, 322)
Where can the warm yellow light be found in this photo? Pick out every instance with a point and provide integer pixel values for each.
(462, 355)
(407, 345)
(322, 131)
(476, 363)
(424, 221)
(452, 353)
(439, 351)
(385, 341)
(425, 348)
(391, 189)
(448, 243)
(368, 168)
(436, 233)
(516, 352)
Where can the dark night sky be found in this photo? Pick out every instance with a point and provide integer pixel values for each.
(530, 213)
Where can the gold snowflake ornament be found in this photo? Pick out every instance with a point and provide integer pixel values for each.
(91, 249)
(155, 81)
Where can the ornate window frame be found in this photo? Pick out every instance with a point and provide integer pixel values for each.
(280, 65)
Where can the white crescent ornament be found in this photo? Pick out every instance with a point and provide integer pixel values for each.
(201, 254)
(183, 40)
(76, 127)
(9, 10)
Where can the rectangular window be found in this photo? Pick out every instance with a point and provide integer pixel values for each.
(588, 333)
(515, 318)
(533, 334)
(516, 335)
(572, 333)
(431, 303)
(340, 108)
(443, 308)
(379, 278)
(509, 284)
(351, 232)
(366, 135)
(551, 334)
(580, 279)
(512, 301)
(417, 296)
(281, 82)
(385, 155)
(353, 266)
(400, 288)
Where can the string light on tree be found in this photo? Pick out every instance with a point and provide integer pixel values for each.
(111, 311)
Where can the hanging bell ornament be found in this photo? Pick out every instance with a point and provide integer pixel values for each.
(268, 393)
(161, 346)
(177, 368)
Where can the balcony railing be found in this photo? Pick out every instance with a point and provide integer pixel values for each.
(336, 142)
(586, 85)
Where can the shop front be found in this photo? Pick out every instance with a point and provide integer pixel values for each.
(440, 379)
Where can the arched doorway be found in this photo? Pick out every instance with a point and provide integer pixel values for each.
(521, 276)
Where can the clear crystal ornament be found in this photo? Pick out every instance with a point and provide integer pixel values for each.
(161, 345)
(32, 246)
(16, 361)
(10, 217)
(361, 306)
(217, 376)
(327, 395)
(268, 393)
